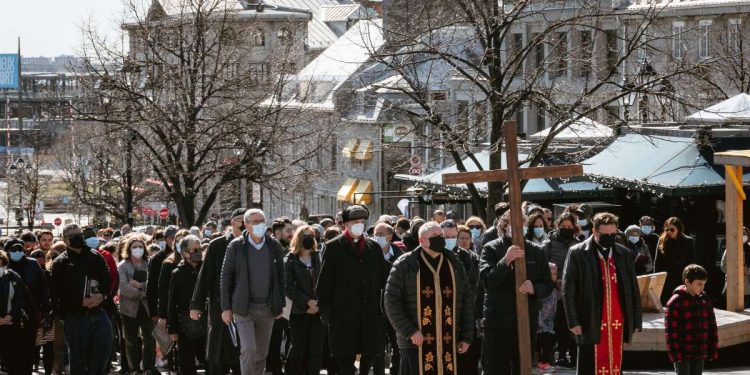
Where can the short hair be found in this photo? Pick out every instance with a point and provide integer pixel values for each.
(403, 223)
(187, 240)
(464, 229)
(448, 224)
(28, 236)
(249, 213)
(694, 272)
(296, 223)
(501, 208)
(158, 235)
(45, 231)
(331, 233)
(604, 218)
(438, 212)
(428, 226)
(280, 223)
(384, 219)
(69, 228)
(646, 218)
(388, 228)
(211, 224)
(327, 222)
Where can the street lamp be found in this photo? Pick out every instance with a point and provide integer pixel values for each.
(645, 74)
(16, 168)
(626, 99)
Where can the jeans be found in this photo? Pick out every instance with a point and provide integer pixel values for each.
(139, 343)
(306, 354)
(689, 367)
(254, 330)
(90, 338)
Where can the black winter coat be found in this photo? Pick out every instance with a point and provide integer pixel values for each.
(673, 261)
(154, 268)
(500, 284)
(16, 304)
(165, 277)
(401, 298)
(70, 271)
(219, 348)
(38, 301)
(181, 284)
(299, 281)
(470, 261)
(582, 291)
(349, 297)
(556, 249)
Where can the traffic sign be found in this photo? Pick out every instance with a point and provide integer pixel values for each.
(58, 221)
(164, 213)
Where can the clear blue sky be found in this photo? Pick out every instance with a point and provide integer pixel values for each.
(52, 27)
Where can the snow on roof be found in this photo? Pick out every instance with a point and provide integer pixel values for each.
(683, 4)
(319, 35)
(734, 109)
(344, 12)
(584, 128)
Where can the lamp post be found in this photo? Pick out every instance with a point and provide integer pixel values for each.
(626, 99)
(645, 74)
(16, 168)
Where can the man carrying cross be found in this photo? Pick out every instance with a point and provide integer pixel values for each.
(430, 304)
(499, 352)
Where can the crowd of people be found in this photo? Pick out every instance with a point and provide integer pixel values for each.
(347, 293)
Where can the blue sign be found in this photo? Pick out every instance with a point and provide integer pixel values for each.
(9, 71)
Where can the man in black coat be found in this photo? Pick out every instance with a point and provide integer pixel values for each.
(349, 290)
(220, 353)
(419, 316)
(500, 343)
(154, 270)
(583, 292)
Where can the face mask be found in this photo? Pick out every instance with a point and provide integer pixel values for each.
(16, 255)
(744, 239)
(176, 246)
(308, 241)
(606, 240)
(92, 243)
(162, 245)
(137, 252)
(437, 243)
(76, 241)
(538, 232)
(647, 229)
(475, 233)
(382, 241)
(196, 257)
(567, 233)
(357, 229)
(259, 230)
(450, 243)
(582, 222)
(207, 233)
(634, 239)
(2, 271)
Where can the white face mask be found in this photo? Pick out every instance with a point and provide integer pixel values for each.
(162, 245)
(137, 252)
(744, 239)
(357, 229)
(259, 230)
(582, 222)
(382, 241)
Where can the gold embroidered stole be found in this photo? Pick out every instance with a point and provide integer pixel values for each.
(436, 306)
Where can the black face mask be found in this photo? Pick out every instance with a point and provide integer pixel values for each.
(606, 240)
(196, 257)
(308, 241)
(437, 243)
(76, 241)
(567, 233)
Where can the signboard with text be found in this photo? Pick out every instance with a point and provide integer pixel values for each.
(9, 71)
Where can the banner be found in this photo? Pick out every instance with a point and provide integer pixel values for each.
(9, 71)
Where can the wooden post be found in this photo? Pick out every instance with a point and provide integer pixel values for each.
(735, 255)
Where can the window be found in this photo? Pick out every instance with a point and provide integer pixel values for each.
(734, 36)
(259, 37)
(258, 72)
(439, 95)
(586, 47)
(285, 37)
(704, 43)
(678, 43)
(515, 49)
(612, 51)
(561, 67)
(538, 52)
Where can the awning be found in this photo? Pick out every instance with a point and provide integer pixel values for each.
(734, 109)
(582, 129)
(347, 190)
(359, 196)
(656, 164)
(364, 151)
(350, 148)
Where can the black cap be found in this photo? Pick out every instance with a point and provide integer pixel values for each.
(14, 244)
(88, 232)
(238, 212)
(171, 231)
(355, 212)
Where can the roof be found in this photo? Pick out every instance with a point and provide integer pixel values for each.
(344, 12)
(671, 165)
(319, 35)
(584, 128)
(537, 186)
(734, 157)
(734, 109)
(684, 4)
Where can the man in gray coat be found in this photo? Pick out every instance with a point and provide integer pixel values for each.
(252, 290)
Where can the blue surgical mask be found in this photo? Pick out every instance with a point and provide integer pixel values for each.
(475, 233)
(382, 241)
(450, 243)
(207, 233)
(634, 239)
(162, 245)
(176, 246)
(16, 255)
(259, 230)
(92, 243)
(538, 232)
(647, 229)
(583, 222)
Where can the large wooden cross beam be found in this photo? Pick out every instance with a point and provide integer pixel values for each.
(513, 175)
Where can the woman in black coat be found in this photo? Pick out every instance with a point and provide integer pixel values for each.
(302, 270)
(11, 318)
(673, 253)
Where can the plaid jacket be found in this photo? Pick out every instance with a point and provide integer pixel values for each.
(690, 327)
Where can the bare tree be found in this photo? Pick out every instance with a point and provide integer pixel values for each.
(190, 92)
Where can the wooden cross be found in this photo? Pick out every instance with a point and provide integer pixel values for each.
(513, 175)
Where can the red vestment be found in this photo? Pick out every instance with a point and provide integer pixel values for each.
(608, 352)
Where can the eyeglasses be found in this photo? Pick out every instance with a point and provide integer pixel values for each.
(475, 227)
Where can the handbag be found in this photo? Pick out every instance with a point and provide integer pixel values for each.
(193, 329)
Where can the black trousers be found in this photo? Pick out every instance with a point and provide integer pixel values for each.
(586, 360)
(188, 350)
(274, 362)
(689, 367)
(215, 368)
(500, 351)
(468, 363)
(565, 342)
(379, 365)
(546, 347)
(17, 348)
(346, 364)
(306, 353)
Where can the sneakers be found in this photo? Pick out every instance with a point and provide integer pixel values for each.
(545, 368)
(565, 363)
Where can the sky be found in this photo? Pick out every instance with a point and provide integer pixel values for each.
(51, 28)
